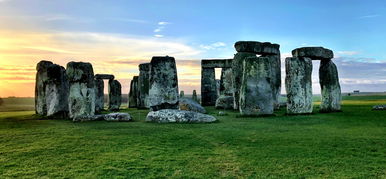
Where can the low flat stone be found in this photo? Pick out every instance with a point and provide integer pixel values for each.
(315, 53)
(118, 117)
(379, 107)
(225, 102)
(187, 104)
(178, 116)
(261, 48)
(104, 76)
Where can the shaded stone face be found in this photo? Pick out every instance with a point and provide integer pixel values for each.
(208, 87)
(190, 105)
(226, 86)
(115, 95)
(225, 102)
(99, 90)
(237, 73)
(329, 83)
(262, 48)
(143, 85)
(194, 96)
(275, 78)
(178, 116)
(40, 87)
(82, 90)
(104, 76)
(163, 93)
(298, 85)
(315, 53)
(256, 89)
(133, 94)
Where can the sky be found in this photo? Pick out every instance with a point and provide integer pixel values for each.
(115, 36)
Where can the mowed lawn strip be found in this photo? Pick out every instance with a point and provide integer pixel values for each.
(343, 145)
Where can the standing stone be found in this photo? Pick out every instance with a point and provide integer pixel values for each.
(115, 95)
(237, 73)
(57, 89)
(163, 93)
(256, 89)
(329, 83)
(226, 86)
(208, 87)
(99, 90)
(276, 78)
(82, 90)
(298, 85)
(182, 94)
(40, 87)
(194, 96)
(218, 84)
(143, 85)
(133, 94)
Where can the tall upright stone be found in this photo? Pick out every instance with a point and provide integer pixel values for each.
(99, 91)
(143, 85)
(82, 95)
(226, 86)
(329, 83)
(182, 94)
(194, 96)
(298, 85)
(276, 78)
(51, 90)
(163, 93)
(237, 72)
(115, 95)
(133, 94)
(256, 88)
(208, 87)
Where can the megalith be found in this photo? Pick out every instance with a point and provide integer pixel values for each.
(298, 85)
(163, 93)
(82, 95)
(133, 93)
(115, 95)
(99, 92)
(237, 72)
(143, 85)
(226, 99)
(40, 87)
(330, 87)
(208, 87)
(182, 94)
(194, 96)
(256, 89)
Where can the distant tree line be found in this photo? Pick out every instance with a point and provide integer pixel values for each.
(1, 101)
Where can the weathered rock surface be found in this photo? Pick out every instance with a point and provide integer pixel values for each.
(133, 93)
(237, 72)
(315, 53)
(57, 89)
(104, 76)
(329, 83)
(99, 91)
(298, 85)
(82, 89)
(225, 102)
(178, 116)
(226, 85)
(163, 93)
(194, 96)
(256, 89)
(115, 95)
(208, 87)
(182, 94)
(118, 117)
(187, 104)
(143, 85)
(40, 87)
(379, 107)
(261, 48)
(275, 78)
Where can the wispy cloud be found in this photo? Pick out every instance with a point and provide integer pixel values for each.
(369, 16)
(213, 46)
(140, 21)
(161, 27)
(158, 35)
(349, 53)
(163, 23)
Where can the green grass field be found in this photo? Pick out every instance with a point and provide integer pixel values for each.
(349, 144)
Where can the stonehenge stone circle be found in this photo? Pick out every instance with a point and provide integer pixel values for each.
(99, 92)
(330, 87)
(163, 93)
(115, 95)
(133, 94)
(143, 85)
(194, 96)
(178, 116)
(187, 104)
(81, 98)
(256, 89)
(298, 84)
(51, 90)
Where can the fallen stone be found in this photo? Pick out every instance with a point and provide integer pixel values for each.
(99, 91)
(315, 53)
(187, 104)
(115, 95)
(225, 102)
(118, 117)
(133, 93)
(104, 76)
(298, 85)
(143, 86)
(237, 72)
(82, 90)
(222, 113)
(329, 83)
(178, 116)
(256, 89)
(261, 48)
(163, 93)
(379, 107)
